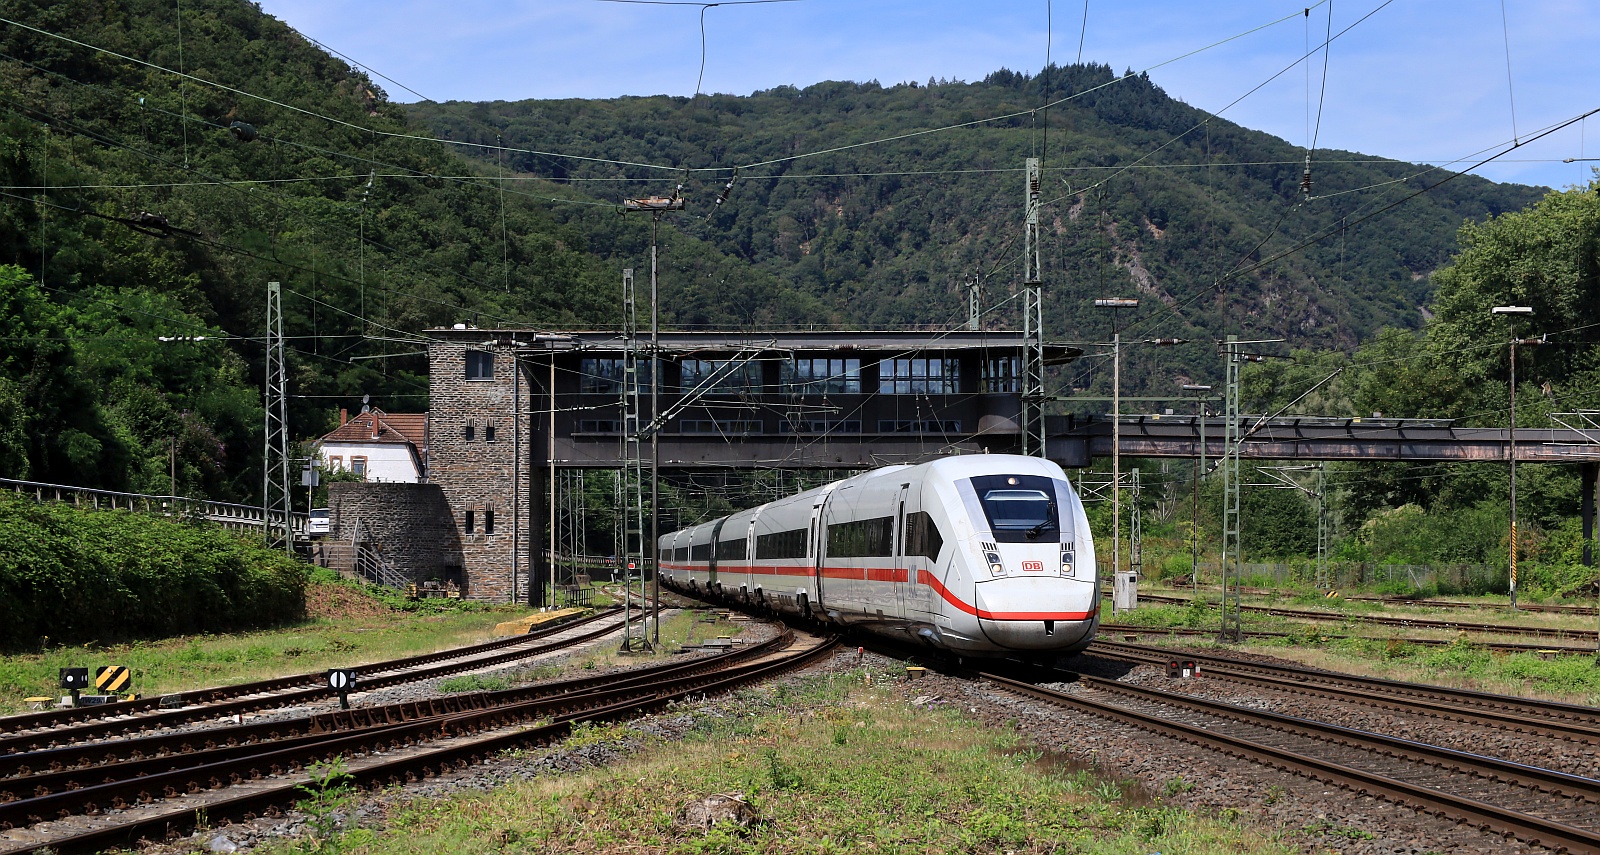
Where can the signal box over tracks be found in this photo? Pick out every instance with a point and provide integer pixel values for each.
(509, 407)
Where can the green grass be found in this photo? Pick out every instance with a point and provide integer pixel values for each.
(474, 683)
(829, 764)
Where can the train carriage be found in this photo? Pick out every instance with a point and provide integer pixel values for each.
(981, 555)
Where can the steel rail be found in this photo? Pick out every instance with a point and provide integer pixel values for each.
(1548, 712)
(1553, 834)
(77, 766)
(417, 767)
(193, 697)
(1500, 646)
(278, 757)
(295, 693)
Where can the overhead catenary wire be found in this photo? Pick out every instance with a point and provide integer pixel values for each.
(1174, 309)
(1218, 114)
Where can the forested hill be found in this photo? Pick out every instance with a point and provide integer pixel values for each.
(1145, 196)
(160, 170)
(152, 193)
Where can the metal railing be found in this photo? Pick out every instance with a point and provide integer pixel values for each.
(368, 561)
(226, 514)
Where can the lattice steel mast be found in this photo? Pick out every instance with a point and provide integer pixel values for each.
(276, 523)
(1033, 397)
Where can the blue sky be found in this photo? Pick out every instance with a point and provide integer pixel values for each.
(1418, 80)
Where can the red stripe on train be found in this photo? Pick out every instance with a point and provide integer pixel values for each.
(899, 574)
(933, 582)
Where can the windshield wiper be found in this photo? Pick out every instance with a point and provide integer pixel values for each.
(1050, 516)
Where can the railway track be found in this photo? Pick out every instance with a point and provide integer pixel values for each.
(1409, 623)
(1550, 719)
(1537, 805)
(31, 732)
(1498, 646)
(1434, 603)
(85, 803)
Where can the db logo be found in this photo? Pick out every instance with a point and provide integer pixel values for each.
(1033, 565)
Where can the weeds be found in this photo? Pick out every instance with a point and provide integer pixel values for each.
(329, 793)
(474, 683)
(780, 775)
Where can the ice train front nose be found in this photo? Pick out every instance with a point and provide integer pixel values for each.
(1036, 613)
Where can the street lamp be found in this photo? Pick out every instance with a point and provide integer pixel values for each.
(1199, 392)
(1512, 313)
(1119, 581)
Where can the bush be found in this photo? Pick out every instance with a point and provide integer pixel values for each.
(76, 576)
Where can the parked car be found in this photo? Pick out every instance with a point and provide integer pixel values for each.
(317, 523)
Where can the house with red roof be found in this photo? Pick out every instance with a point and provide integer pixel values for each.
(378, 446)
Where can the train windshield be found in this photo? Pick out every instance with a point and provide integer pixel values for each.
(1019, 507)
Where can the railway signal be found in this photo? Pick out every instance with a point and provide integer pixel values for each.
(342, 681)
(74, 680)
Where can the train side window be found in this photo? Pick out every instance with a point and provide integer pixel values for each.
(922, 536)
(700, 552)
(781, 545)
(732, 550)
(871, 538)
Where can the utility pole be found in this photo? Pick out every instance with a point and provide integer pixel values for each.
(1231, 628)
(1124, 585)
(1033, 398)
(1232, 487)
(1199, 392)
(631, 510)
(1512, 313)
(1324, 528)
(275, 454)
(656, 206)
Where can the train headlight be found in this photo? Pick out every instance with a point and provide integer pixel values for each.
(995, 567)
(1066, 564)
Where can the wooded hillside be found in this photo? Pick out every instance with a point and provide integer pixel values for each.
(151, 194)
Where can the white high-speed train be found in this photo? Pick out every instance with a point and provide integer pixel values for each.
(980, 555)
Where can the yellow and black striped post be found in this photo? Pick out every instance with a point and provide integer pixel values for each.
(112, 678)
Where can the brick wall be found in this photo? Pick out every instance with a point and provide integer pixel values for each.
(476, 475)
(411, 521)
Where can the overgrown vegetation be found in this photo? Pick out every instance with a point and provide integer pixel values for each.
(71, 576)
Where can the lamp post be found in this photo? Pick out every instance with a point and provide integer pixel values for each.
(1199, 392)
(1512, 313)
(1122, 596)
